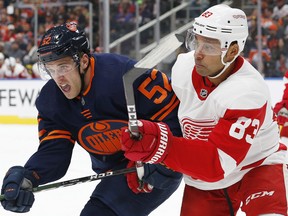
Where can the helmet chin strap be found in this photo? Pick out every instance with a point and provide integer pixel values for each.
(226, 65)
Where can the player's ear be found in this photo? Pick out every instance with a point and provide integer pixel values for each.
(232, 51)
(84, 61)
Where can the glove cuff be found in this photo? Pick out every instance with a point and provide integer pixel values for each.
(164, 140)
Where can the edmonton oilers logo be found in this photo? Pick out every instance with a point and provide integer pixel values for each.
(203, 93)
(101, 137)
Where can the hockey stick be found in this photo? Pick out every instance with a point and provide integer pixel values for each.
(80, 180)
(159, 53)
(154, 57)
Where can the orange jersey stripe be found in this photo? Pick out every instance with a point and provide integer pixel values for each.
(58, 134)
(166, 109)
(58, 137)
(169, 110)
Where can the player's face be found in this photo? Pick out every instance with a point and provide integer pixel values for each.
(65, 73)
(207, 56)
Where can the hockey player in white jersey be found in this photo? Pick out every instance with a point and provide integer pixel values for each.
(230, 151)
(14, 70)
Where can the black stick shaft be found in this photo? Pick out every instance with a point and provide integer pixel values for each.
(80, 180)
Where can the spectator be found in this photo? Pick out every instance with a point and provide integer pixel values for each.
(282, 65)
(280, 10)
(49, 20)
(253, 57)
(13, 69)
(275, 43)
(147, 11)
(125, 16)
(9, 34)
(2, 58)
(15, 51)
(62, 14)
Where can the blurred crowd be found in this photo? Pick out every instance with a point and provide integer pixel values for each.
(18, 46)
(274, 37)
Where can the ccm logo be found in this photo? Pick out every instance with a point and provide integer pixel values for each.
(258, 195)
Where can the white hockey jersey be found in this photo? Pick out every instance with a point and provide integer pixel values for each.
(228, 129)
(12, 69)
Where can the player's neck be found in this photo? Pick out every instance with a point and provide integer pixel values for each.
(87, 78)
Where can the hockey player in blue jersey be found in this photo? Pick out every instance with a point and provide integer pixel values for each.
(84, 103)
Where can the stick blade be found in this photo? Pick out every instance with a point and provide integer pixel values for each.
(167, 46)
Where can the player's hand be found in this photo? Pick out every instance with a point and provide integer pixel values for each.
(17, 189)
(282, 120)
(134, 180)
(278, 106)
(153, 146)
(282, 116)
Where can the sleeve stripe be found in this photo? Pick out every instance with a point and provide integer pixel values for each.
(58, 134)
(169, 110)
(41, 133)
(161, 114)
(57, 137)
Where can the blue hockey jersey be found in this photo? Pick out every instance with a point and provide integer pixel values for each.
(94, 119)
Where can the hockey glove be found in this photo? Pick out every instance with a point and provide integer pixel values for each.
(134, 180)
(17, 189)
(282, 116)
(278, 106)
(153, 145)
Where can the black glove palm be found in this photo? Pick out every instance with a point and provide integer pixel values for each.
(17, 189)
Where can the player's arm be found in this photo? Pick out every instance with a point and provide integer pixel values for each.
(281, 110)
(208, 160)
(156, 101)
(53, 156)
(284, 100)
(50, 162)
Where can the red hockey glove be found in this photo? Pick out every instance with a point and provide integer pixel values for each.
(134, 180)
(282, 120)
(282, 116)
(153, 145)
(278, 106)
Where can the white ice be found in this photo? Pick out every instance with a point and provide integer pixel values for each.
(18, 142)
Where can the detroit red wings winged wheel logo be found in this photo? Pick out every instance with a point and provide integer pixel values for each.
(197, 129)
